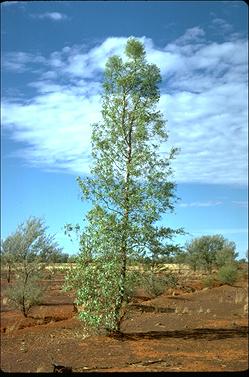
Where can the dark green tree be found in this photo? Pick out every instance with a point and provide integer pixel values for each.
(129, 186)
(208, 252)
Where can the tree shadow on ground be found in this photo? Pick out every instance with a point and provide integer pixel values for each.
(179, 298)
(205, 333)
(56, 304)
(151, 309)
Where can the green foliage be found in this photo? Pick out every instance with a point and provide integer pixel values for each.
(209, 281)
(26, 291)
(208, 252)
(29, 242)
(23, 251)
(156, 284)
(99, 292)
(181, 258)
(129, 185)
(228, 274)
(226, 255)
(10, 253)
(72, 259)
(56, 256)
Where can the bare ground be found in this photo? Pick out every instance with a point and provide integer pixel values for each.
(200, 330)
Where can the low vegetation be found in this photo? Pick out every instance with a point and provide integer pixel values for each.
(22, 254)
(209, 281)
(26, 291)
(156, 284)
(209, 252)
(228, 274)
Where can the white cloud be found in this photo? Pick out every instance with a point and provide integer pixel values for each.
(221, 26)
(19, 61)
(54, 16)
(240, 203)
(204, 98)
(56, 125)
(194, 34)
(86, 65)
(209, 203)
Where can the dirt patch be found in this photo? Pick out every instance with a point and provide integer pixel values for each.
(201, 330)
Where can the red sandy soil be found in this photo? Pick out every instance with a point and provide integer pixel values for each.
(201, 330)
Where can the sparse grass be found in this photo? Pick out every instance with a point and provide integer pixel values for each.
(157, 284)
(239, 296)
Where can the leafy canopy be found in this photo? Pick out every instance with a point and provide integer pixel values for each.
(129, 185)
(210, 251)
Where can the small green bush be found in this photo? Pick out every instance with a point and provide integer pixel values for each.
(228, 274)
(209, 282)
(23, 297)
(156, 284)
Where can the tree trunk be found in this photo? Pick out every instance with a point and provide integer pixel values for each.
(8, 274)
(121, 292)
(123, 251)
(24, 307)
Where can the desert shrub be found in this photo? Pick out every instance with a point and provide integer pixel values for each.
(134, 279)
(156, 284)
(228, 274)
(208, 281)
(23, 295)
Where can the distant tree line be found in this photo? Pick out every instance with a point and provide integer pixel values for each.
(204, 253)
(208, 253)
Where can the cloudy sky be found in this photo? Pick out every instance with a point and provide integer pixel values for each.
(53, 58)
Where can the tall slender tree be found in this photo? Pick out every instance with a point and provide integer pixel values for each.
(129, 185)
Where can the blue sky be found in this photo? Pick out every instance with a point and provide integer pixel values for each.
(53, 57)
